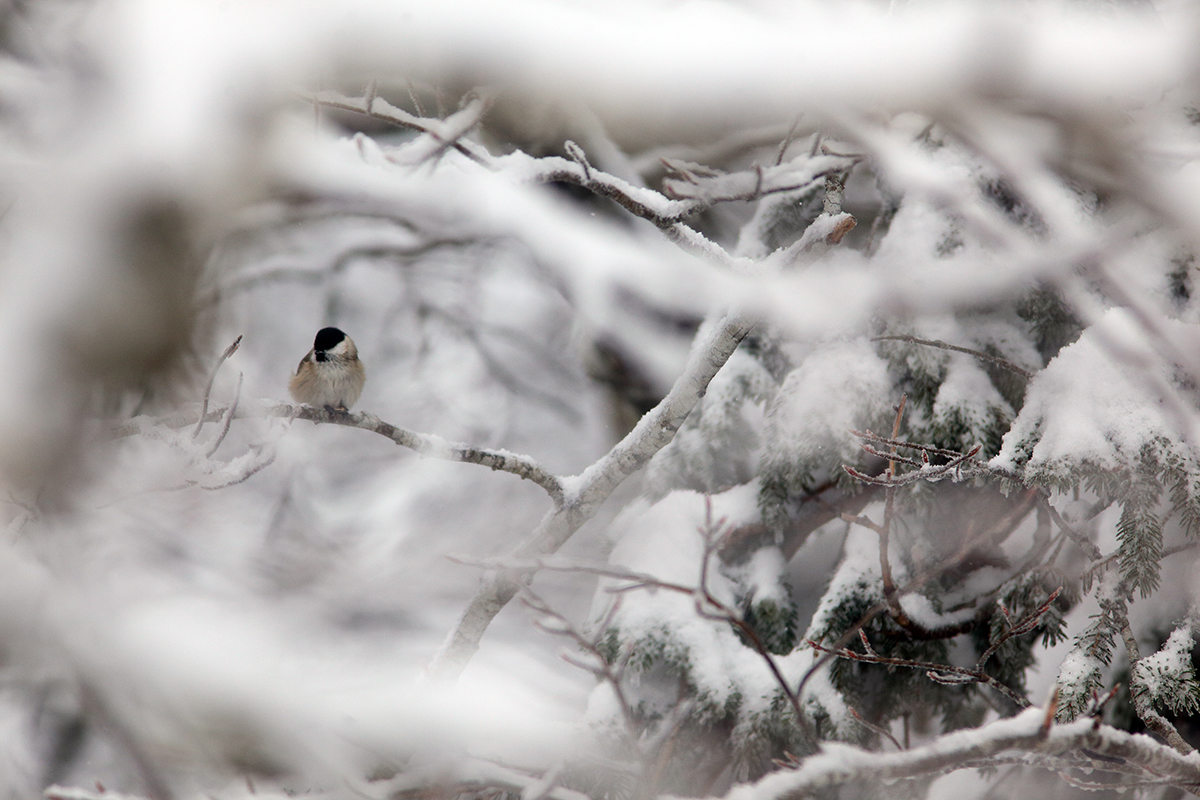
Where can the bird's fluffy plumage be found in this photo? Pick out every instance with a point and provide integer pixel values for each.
(331, 374)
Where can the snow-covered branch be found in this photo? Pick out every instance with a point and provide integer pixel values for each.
(584, 493)
(1142, 696)
(431, 445)
(426, 444)
(1092, 747)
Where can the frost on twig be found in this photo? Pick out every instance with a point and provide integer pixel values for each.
(212, 379)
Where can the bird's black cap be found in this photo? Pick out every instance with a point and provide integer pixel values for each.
(328, 338)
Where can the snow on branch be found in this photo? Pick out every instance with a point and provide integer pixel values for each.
(1086, 745)
(446, 133)
(584, 494)
(426, 444)
(692, 189)
(1142, 693)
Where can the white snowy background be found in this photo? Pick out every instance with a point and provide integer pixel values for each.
(166, 187)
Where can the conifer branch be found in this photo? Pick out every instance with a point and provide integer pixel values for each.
(1141, 698)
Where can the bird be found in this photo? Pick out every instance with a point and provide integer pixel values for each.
(331, 374)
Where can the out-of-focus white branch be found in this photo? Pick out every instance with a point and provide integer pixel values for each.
(1059, 59)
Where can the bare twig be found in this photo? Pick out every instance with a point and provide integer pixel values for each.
(895, 443)
(914, 630)
(787, 140)
(599, 666)
(1084, 543)
(1003, 363)
(1020, 628)
(876, 729)
(228, 417)
(940, 673)
(249, 471)
(885, 567)
(384, 111)
(928, 472)
(708, 606)
(212, 377)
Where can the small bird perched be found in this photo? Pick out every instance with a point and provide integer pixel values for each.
(331, 374)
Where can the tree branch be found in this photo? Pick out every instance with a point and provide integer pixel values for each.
(428, 444)
(1091, 746)
(1141, 700)
(1003, 363)
(584, 493)
(939, 673)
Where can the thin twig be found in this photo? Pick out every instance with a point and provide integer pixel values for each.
(600, 666)
(1085, 544)
(228, 419)
(885, 567)
(392, 115)
(940, 673)
(1003, 363)
(869, 436)
(876, 729)
(787, 140)
(212, 377)
(1023, 626)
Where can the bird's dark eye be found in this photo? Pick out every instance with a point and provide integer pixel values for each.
(320, 356)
